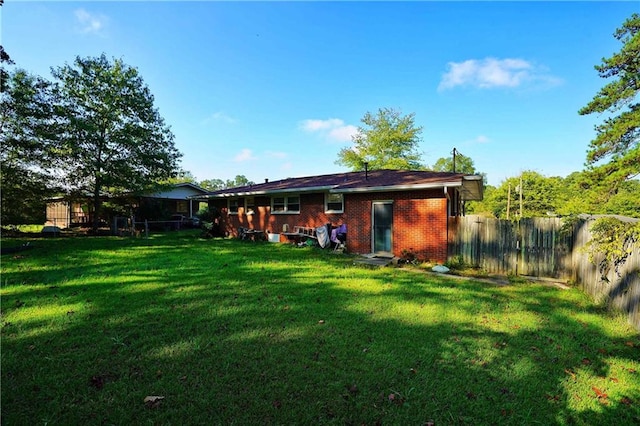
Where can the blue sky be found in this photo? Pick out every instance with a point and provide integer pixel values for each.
(276, 89)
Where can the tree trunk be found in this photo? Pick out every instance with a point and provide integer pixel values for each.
(97, 206)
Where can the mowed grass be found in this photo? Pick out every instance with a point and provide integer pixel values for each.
(229, 332)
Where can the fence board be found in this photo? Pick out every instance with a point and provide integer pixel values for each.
(538, 247)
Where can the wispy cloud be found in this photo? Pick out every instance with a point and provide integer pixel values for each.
(219, 117)
(90, 23)
(481, 139)
(287, 165)
(222, 116)
(491, 73)
(244, 155)
(334, 129)
(316, 125)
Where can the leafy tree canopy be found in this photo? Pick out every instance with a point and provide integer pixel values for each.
(239, 180)
(540, 196)
(212, 184)
(216, 184)
(25, 122)
(110, 136)
(386, 140)
(182, 176)
(463, 164)
(614, 155)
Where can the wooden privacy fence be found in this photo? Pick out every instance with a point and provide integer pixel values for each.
(541, 247)
(535, 246)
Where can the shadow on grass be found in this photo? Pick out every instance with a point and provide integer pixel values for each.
(243, 333)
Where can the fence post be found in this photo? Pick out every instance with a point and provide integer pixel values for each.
(146, 229)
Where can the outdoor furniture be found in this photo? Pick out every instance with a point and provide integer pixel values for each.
(339, 237)
(251, 234)
(301, 234)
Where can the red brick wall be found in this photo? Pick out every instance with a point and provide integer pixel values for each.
(419, 220)
(311, 214)
(419, 223)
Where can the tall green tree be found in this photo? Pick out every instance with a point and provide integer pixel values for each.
(539, 197)
(614, 155)
(216, 184)
(26, 121)
(578, 196)
(464, 164)
(182, 176)
(386, 140)
(239, 180)
(213, 184)
(112, 139)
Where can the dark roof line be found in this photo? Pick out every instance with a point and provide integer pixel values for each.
(372, 181)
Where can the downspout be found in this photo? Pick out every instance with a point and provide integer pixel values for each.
(446, 194)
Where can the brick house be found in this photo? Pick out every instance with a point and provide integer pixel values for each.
(386, 211)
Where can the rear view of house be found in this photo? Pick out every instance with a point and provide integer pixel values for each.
(385, 211)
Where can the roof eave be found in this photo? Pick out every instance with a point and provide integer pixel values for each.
(269, 192)
(397, 188)
(472, 188)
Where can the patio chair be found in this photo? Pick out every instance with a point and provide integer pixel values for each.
(242, 233)
(339, 238)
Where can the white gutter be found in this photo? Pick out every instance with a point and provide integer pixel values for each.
(396, 187)
(275, 191)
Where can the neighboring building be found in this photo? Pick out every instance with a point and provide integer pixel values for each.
(386, 211)
(179, 199)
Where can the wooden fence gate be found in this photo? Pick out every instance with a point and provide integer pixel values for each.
(535, 246)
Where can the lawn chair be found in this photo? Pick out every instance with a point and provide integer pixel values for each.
(339, 238)
(242, 233)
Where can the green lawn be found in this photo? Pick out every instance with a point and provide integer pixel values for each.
(255, 333)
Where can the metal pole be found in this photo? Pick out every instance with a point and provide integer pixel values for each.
(508, 200)
(521, 191)
(455, 151)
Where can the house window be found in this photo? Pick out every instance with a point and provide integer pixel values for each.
(289, 204)
(333, 203)
(249, 205)
(182, 207)
(233, 206)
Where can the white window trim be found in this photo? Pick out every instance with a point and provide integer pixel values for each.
(229, 206)
(326, 204)
(286, 204)
(246, 206)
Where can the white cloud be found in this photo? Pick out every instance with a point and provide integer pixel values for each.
(315, 125)
(89, 22)
(481, 139)
(333, 129)
(222, 116)
(244, 155)
(491, 73)
(343, 133)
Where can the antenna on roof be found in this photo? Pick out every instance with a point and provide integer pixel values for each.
(455, 151)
